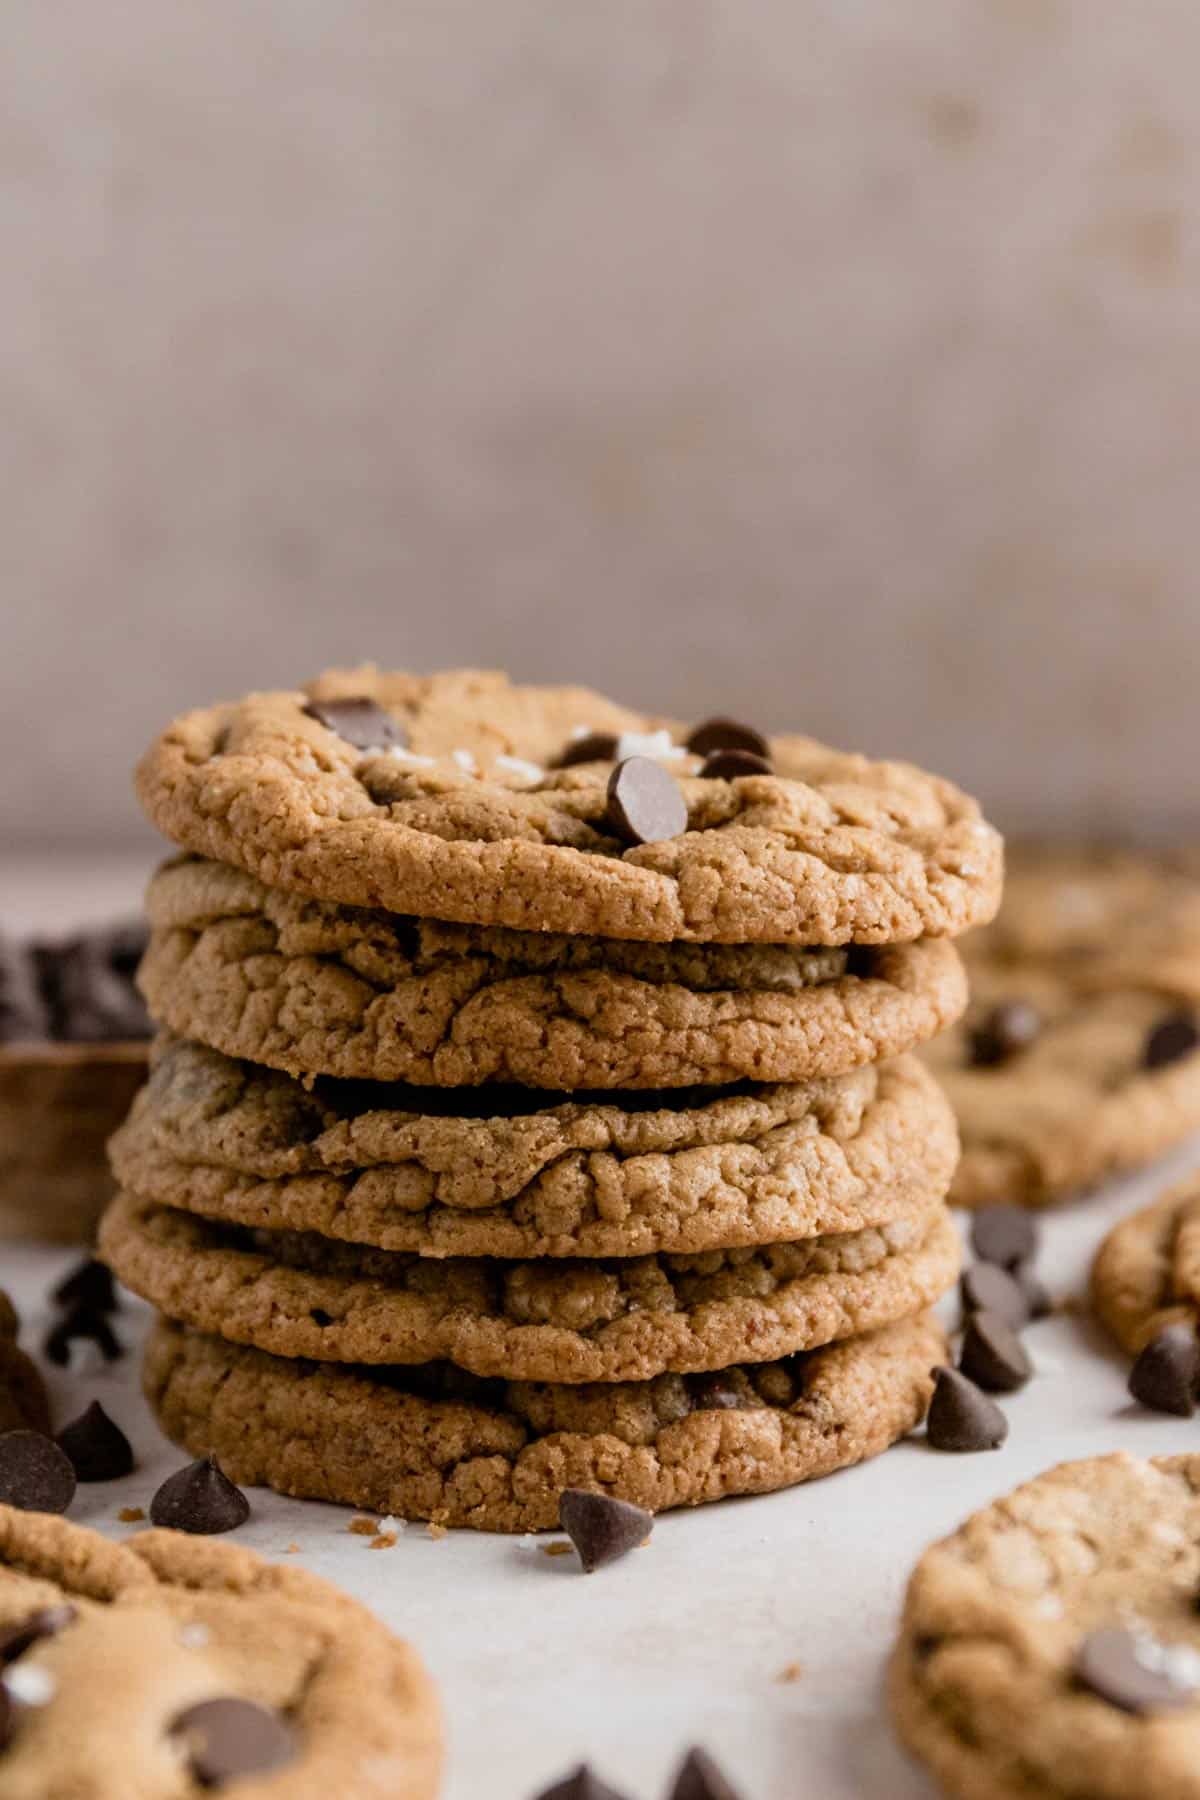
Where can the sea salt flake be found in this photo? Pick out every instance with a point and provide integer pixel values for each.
(1178, 1662)
(30, 1684)
(517, 765)
(655, 744)
(465, 761)
(399, 753)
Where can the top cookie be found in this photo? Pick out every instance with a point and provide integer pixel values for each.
(454, 809)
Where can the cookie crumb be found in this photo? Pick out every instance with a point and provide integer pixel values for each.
(792, 1671)
(131, 1515)
(435, 1530)
(559, 1547)
(383, 1541)
(363, 1527)
(292, 1549)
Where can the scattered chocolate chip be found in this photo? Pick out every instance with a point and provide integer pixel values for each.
(597, 746)
(1003, 1033)
(1171, 1039)
(1167, 1371)
(81, 1323)
(34, 1473)
(581, 1784)
(645, 804)
(700, 1779)
(993, 1356)
(200, 1499)
(1130, 1670)
(602, 1530)
(90, 1286)
(712, 1392)
(1005, 1235)
(46, 1622)
(98, 1449)
(960, 1417)
(986, 1287)
(727, 734)
(227, 1738)
(727, 765)
(359, 722)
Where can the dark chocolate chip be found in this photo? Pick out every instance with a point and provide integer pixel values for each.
(602, 1530)
(645, 804)
(596, 746)
(1124, 1668)
(993, 1356)
(712, 1392)
(700, 1779)
(23, 1015)
(81, 1323)
(727, 765)
(90, 1286)
(986, 1287)
(34, 1473)
(98, 1449)
(1172, 1038)
(1003, 1033)
(46, 1622)
(200, 1499)
(581, 1784)
(960, 1417)
(1165, 1375)
(727, 734)
(1005, 1235)
(227, 1738)
(88, 984)
(358, 721)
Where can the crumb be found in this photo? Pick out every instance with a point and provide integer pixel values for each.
(130, 1515)
(384, 1541)
(791, 1672)
(363, 1527)
(558, 1548)
(292, 1549)
(435, 1530)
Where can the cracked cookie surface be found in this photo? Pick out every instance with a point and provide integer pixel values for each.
(469, 822)
(1146, 1273)
(296, 1294)
(23, 1404)
(1104, 946)
(433, 1444)
(983, 1683)
(316, 988)
(165, 1622)
(581, 1175)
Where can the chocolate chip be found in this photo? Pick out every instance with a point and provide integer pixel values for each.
(1171, 1039)
(81, 1324)
(700, 1779)
(358, 721)
(46, 1622)
(602, 1530)
(596, 746)
(986, 1287)
(1130, 1670)
(960, 1417)
(90, 1286)
(1005, 1235)
(993, 1356)
(88, 983)
(200, 1499)
(227, 1738)
(581, 1784)
(727, 734)
(727, 765)
(645, 804)
(712, 1392)
(1003, 1033)
(98, 1449)
(1166, 1373)
(34, 1473)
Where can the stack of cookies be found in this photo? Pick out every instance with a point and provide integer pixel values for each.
(533, 1106)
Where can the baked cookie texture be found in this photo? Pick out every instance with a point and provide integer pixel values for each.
(984, 1683)
(23, 1403)
(523, 1174)
(1146, 1273)
(431, 1443)
(468, 821)
(316, 988)
(164, 1622)
(1104, 946)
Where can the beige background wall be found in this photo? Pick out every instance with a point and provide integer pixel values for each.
(837, 364)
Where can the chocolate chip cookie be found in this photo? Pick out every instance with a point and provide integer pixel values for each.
(461, 796)
(432, 1443)
(297, 1294)
(510, 1172)
(1146, 1275)
(1051, 1646)
(173, 1666)
(316, 988)
(23, 1404)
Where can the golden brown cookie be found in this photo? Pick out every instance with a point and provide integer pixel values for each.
(170, 1665)
(433, 1444)
(1104, 947)
(23, 1404)
(296, 1294)
(316, 988)
(467, 819)
(1146, 1274)
(1051, 1646)
(617, 1175)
